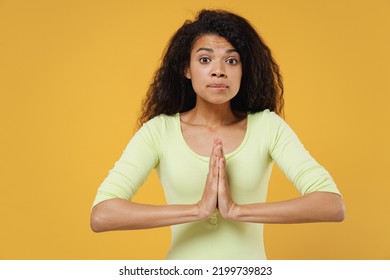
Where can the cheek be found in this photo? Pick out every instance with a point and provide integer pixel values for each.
(199, 72)
(196, 85)
(237, 79)
(198, 76)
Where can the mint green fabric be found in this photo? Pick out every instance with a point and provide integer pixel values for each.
(160, 145)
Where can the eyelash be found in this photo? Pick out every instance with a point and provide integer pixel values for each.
(231, 61)
(202, 60)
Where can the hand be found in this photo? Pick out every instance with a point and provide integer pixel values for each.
(226, 205)
(208, 202)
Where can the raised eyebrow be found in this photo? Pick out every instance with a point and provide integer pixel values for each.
(231, 51)
(211, 50)
(205, 49)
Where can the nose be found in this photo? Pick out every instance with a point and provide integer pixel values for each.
(218, 74)
(219, 71)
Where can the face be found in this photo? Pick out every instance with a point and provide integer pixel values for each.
(215, 70)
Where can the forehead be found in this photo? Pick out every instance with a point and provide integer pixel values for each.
(211, 41)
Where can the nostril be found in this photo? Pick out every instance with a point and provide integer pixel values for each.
(218, 75)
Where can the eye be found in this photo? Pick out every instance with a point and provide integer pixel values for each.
(232, 61)
(204, 60)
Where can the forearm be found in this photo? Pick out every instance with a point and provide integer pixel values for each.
(314, 207)
(120, 214)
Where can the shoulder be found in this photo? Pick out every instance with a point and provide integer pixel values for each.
(265, 117)
(159, 123)
(162, 119)
(269, 125)
(154, 132)
(158, 126)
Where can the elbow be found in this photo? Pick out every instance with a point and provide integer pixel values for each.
(341, 214)
(97, 221)
(95, 225)
(331, 207)
(338, 214)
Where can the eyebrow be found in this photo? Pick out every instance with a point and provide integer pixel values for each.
(211, 50)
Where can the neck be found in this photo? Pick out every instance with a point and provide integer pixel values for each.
(212, 115)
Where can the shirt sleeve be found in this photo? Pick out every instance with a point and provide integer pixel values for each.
(294, 160)
(139, 158)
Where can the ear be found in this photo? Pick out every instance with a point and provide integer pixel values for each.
(187, 73)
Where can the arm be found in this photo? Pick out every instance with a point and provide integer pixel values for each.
(121, 214)
(313, 207)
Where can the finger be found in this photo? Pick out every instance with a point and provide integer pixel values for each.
(219, 146)
(213, 151)
(222, 152)
(222, 173)
(217, 151)
(213, 168)
(215, 172)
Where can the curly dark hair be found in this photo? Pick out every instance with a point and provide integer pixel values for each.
(261, 84)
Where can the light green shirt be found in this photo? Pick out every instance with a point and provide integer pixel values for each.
(160, 144)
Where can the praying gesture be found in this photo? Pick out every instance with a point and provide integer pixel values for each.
(217, 78)
(216, 194)
(317, 206)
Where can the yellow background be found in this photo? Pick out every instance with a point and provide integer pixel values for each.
(73, 73)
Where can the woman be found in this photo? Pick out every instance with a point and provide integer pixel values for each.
(211, 129)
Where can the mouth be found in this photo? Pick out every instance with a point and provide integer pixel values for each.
(222, 86)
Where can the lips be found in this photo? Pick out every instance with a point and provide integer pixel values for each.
(218, 86)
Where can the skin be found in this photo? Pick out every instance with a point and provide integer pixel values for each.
(215, 71)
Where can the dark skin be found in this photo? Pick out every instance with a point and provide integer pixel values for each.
(215, 71)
